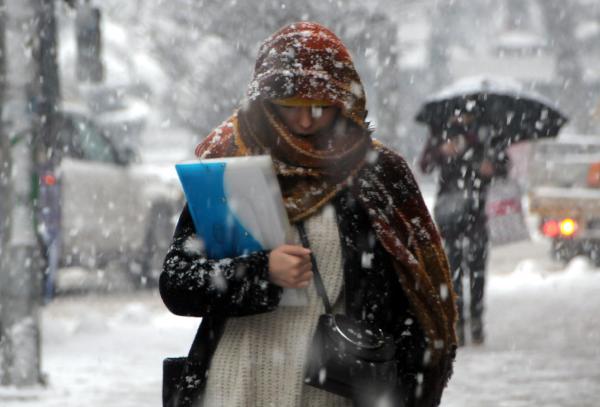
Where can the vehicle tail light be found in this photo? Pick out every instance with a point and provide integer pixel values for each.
(593, 178)
(566, 227)
(551, 228)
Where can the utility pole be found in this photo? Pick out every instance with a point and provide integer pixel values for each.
(439, 43)
(574, 98)
(30, 101)
(5, 185)
(89, 43)
(46, 99)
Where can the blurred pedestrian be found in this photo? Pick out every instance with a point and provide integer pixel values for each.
(376, 247)
(468, 159)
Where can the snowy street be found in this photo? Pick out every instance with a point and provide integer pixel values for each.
(541, 349)
(542, 338)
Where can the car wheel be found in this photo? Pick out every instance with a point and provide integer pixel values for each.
(156, 244)
(593, 251)
(564, 250)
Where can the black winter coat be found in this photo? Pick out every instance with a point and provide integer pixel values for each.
(192, 285)
(461, 173)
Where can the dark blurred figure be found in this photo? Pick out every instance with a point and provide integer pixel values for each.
(468, 160)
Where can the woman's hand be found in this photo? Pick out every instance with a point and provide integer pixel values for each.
(486, 169)
(453, 147)
(290, 266)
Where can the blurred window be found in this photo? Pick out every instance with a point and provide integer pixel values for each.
(93, 145)
(79, 138)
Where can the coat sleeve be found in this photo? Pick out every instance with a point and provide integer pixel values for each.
(502, 164)
(193, 285)
(496, 151)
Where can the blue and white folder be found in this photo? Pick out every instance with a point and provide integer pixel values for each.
(236, 207)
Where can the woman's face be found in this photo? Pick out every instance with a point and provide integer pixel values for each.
(307, 120)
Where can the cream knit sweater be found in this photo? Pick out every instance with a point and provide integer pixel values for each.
(260, 358)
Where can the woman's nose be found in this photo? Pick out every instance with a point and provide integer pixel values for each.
(305, 119)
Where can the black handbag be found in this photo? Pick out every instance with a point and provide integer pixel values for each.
(172, 373)
(183, 377)
(450, 204)
(348, 357)
(452, 210)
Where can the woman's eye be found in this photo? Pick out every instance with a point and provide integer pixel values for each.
(316, 111)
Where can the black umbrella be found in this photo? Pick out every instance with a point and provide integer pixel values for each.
(515, 114)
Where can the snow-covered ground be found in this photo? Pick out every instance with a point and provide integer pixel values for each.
(543, 337)
(542, 349)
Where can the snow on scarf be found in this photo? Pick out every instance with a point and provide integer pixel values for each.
(305, 60)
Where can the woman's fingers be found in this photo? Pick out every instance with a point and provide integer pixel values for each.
(290, 266)
(306, 278)
(304, 267)
(294, 250)
(303, 278)
(303, 284)
(298, 278)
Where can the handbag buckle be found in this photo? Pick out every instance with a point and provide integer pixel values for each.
(376, 333)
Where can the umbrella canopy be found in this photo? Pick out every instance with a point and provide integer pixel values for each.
(515, 113)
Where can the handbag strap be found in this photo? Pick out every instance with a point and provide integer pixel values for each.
(207, 336)
(203, 347)
(318, 280)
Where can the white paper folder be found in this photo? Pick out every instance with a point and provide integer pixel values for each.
(236, 207)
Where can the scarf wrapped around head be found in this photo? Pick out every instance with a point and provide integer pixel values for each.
(308, 62)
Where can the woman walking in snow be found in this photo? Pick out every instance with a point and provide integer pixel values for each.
(375, 245)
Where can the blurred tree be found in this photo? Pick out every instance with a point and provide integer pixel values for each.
(30, 102)
(5, 165)
(444, 17)
(19, 337)
(560, 28)
(89, 43)
(208, 49)
(517, 12)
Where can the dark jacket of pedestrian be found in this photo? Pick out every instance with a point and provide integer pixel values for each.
(468, 160)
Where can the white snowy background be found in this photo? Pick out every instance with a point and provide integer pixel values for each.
(104, 345)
